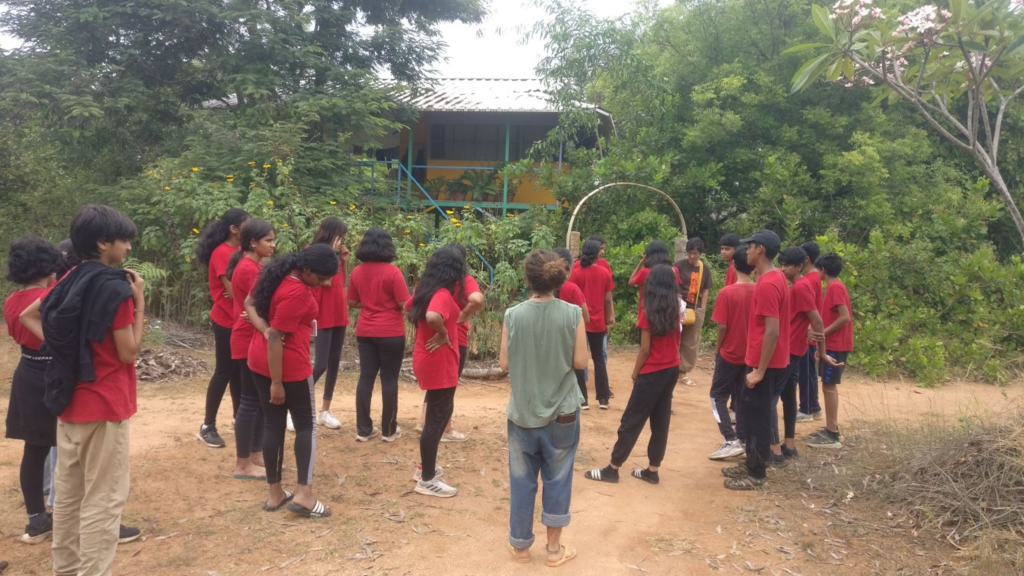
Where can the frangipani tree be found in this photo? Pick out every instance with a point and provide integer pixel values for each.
(960, 66)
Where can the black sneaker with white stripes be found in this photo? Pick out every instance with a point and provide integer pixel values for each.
(210, 437)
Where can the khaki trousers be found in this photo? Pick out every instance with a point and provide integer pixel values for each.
(92, 487)
(689, 342)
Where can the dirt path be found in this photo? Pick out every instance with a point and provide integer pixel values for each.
(200, 521)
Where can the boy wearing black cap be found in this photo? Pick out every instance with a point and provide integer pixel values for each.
(767, 355)
(728, 244)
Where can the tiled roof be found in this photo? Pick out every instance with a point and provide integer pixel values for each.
(480, 95)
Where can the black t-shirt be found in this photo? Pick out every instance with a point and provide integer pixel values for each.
(686, 272)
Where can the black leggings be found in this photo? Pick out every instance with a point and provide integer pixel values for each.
(651, 398)
(596, 342)
(440, 404)
(225, 371)
(33, 462)
(329, 342)
(249, 422)
(463, 354)
(298, 399)
(383, 355)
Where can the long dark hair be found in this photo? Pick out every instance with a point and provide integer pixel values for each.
(376, 246)
(564, 254)
(656, 253)
(318, 259)
(591, 249)
(446, 269)
(253, 230)
(217, 232)
(661, 300)
(68, 257)
(332, 227)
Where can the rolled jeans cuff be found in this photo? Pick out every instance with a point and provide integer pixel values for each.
(521, 544)
(555, 520)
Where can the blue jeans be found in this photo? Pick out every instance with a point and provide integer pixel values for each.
(551, 451)
(809, 383)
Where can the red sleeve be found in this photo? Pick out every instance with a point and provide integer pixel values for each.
(611, 275)
(721, 312)
(642, 322)
(768, 301)
(639, 277)
(611, 283)
(125, 315)
(442, 303)
(398, 287)
(219, 263)
(803, 298)
(353, 285)
(471, 286)
(842, 296)
(288, 313)
(832, 297)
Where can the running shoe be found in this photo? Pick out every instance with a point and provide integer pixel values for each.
(801, 417)
(373, 434)
(585, 406)
(728, 449)
(777, 461)
(455, 436)
(325, 418)
(825, 439)
(418, 475)
(789, 452)
(128, 534)
(38, 529)
(209, 436)
(436, 487)
(603, 405)
(393, 437)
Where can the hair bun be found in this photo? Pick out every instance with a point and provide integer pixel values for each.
(554, 271)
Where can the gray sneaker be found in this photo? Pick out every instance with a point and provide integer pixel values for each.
(801, 417)
(436, 487)
(824, 439)
(728, 449)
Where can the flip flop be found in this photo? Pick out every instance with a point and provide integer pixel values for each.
(245, 477)
(287, 498)
(567, 554)
(515, 554)
(318, 510)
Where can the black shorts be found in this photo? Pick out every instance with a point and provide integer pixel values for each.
(832, 374)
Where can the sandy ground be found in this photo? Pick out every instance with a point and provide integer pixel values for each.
(198, 520)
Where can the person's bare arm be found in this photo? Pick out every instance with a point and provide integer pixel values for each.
(703, 299)
(503, 351)
(441, 336)
(720, 333)
(128, 340)
(842, 320)
(227, 287)
(771, 338)
(586, 313)
(639, 266)
(817, 329)
(32, 319)
(475, 304)
(609, 307)
(275, 363)
(579, 351)
(353, 303)
(255, 319)
(643, 354)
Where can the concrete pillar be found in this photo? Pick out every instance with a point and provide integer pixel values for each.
(680, 249)
(574, 244)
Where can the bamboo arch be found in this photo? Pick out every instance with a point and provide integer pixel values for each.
(572, 219)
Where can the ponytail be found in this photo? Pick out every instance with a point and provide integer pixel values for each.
(591, 249)
(217, 232)
(318, 259)
(253, 230)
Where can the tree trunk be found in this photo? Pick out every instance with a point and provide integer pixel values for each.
(1004, 191)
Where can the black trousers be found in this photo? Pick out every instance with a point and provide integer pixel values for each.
(249, 421)
(463, 356)
(225, 372)
(33, 462)
(596, 342)
(727, 381)
(581, 381)
(651, 399)
(384, 356)
(299, 400)
(756, 412)
(787, 393)
(440, 404)
(329, 343)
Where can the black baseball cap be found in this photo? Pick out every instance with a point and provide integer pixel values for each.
(765, 238)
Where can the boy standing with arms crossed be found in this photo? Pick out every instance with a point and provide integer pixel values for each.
(837, 317)
(767, 355)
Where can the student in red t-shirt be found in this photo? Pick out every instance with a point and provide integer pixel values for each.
(32, 263)
(767, 356)
(257, 244)
(655, 374)
(218, 241)
(93, 396)
(332, 321)
(282, 309)
(728, 244)
(732, 313)
(655, 254)
(377, 287)
(435, 358)
(837, 317)
(571, 293)
(597, 285)
(603, 264)
(808, 373)
(471, 301)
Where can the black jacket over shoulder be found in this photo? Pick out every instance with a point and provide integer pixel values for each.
(78, 310)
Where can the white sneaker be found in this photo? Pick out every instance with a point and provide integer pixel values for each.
(455, 436)
(801, 417)
(393, 437)
(325, 418)
(438, 471)
(436, 487)
(290, 425)
(373, 434)
(727, 450)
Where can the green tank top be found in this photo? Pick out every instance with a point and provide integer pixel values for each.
(541, 338)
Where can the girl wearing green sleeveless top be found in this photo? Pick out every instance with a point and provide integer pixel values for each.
(542, 341)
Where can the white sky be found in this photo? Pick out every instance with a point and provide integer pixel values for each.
(493, 54)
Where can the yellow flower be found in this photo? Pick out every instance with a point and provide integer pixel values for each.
(333, 202)
(195, 230)
(150, 172)
(195, 169)
(271, 202)
(405, 231)
(167, 187)
(285, 224)
(458, 224)
(317, 214)
(510, 215)
(231, 175)
(409, 217)
(265, 166)
(449, 212)
(351, 206)
(253, 164)
(422, 245)
(174, 177)
(466, 206)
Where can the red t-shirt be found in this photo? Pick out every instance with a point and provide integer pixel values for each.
(640, 277)
(814, 280)
(571, 293)
(333, 303)
(469, 286)
(223, 311)
(292, 311)
(600, 262)
(771, 299)
(242, 281)
(664, 349)
(730, 274)
(439, 369)
(595, 282)
(801, 301)
(836, 295)
(380, 289)
(13, 307)
(732, 308)
(111, 397)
